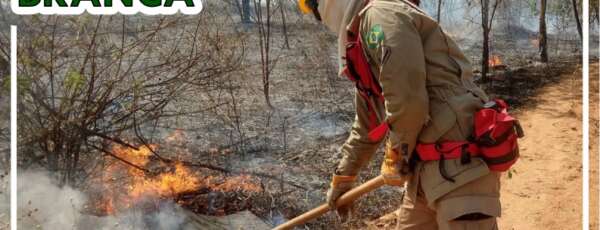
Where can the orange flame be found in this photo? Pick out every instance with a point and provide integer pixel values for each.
(494, 61)
(125, 186)
(165, 185)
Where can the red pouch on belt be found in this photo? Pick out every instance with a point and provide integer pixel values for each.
(496, 134)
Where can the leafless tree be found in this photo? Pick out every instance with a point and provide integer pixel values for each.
(439, 11)
(487, 19)
(263, 17)
(577, 20)
(543, 35)
(594, 15)
(86, 84)
(284, 23)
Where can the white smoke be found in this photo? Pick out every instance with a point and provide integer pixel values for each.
(44, 205)
(169, 217)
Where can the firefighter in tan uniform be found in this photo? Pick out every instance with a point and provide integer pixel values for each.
(428, 97)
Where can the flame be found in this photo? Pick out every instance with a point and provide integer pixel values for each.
(126, 186)
(165, 185)
(494, 61)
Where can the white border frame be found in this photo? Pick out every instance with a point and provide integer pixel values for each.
(585, 120)
(13, 127)
(117, 8)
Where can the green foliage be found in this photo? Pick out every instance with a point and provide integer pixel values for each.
(24, 83)
(25, 61)
(73, 80)
(533, 6)
(40, 41)
(511, 172)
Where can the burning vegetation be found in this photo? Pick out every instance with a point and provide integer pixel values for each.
(136, 179)
(495, 61)
(125, 186)
(213, 90)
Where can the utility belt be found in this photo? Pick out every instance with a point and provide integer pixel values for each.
(494, 139)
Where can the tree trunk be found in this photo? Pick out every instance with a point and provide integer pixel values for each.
(267, 52)
(543, 38)
(439, 11)
(238, 7)
(245, 11)
(576, 12)
(285, 34)
(485, 4)
(596, 15)
(593, 11)
(264, 32)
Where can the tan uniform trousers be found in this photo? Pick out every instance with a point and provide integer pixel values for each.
(416, 213)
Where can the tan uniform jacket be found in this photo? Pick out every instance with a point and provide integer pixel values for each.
(428, 89)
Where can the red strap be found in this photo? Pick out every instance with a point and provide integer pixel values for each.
(508, 145)
(358, 70)
(493, 124)
(450, 149)
(379, 132)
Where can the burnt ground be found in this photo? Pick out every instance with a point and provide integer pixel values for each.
(298, 141)
(292, 149)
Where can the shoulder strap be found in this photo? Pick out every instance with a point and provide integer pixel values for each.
(354, 27)
(358, 70)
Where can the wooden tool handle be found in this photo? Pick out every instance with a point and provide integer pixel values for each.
(348, 197)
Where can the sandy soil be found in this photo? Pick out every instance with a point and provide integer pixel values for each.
(594, 138)
(544, 191)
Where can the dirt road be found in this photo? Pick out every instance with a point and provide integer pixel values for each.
(594, 115)
(544, 192)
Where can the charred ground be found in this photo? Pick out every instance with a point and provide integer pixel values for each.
(225, 130)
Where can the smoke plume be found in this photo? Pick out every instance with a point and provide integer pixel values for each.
(44, 205)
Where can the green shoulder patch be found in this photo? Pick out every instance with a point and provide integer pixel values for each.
(375, 37)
